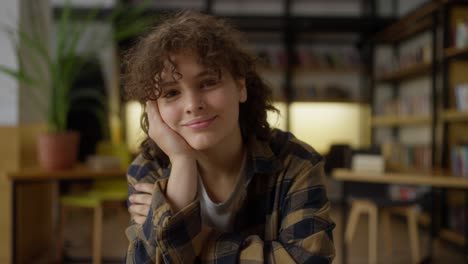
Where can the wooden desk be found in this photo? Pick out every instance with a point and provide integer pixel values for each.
(77, 173)
(435, 180)
(35, 208)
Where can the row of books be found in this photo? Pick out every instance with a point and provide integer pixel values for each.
(308, 59)
(407, 156)
(418, 55)
(459, 158)
(461, 97)
(318, 92)
(405, 106)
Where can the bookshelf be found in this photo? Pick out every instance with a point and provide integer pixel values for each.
(444, 74)
(454, 116)
(406, 73)
(413, 23)
(454, 53)
(404, 82)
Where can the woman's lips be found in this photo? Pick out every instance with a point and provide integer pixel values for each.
(199, 124)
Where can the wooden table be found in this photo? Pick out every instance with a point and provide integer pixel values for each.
(77, 173)
(434, 180)
(35, 205)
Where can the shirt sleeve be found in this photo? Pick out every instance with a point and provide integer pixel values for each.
(304, 236)
(165, 237)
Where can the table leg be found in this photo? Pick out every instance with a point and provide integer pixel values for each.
(344, 215)
(13, 222)
(466, 226)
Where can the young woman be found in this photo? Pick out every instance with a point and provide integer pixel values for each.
(213, 182)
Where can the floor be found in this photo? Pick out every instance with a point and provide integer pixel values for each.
(78, 241)
(357, 252)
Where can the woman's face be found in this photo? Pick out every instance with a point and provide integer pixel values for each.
(199, 105)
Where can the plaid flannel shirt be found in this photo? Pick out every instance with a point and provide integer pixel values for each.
(283, 219)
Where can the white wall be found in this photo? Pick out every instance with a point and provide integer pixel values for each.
(9, 15)
(19, 104)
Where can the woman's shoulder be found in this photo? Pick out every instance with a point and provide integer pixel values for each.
(288, 148)
(144, 170)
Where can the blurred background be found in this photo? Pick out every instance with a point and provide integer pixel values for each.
(379, 87)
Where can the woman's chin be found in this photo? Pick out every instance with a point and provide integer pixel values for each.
(200, 146)
(202, 143)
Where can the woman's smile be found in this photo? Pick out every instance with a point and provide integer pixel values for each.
(200, 123)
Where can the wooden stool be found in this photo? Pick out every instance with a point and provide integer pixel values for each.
(362, 206)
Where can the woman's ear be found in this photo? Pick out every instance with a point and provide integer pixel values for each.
(242, 90)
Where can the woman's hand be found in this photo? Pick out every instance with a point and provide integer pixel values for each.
(183, 181)
(141, 202)
(166, 138)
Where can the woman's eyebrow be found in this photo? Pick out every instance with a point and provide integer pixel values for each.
(205, 73)
(167, 84)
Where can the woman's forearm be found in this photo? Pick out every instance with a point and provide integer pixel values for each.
(183, 182)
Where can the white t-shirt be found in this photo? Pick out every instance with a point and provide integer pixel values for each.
(219, 215)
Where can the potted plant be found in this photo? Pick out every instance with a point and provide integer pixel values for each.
(58, 147)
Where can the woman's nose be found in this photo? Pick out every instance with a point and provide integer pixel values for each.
(195, 103)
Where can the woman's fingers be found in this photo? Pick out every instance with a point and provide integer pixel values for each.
(144, 187)
(140, 207)
(139, 210)
(141, 198)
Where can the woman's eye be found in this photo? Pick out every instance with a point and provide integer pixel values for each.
(170, 94)
(208, 83)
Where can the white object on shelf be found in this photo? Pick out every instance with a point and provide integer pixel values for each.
(368, 163)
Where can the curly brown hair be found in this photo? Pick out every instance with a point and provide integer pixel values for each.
(219, 47)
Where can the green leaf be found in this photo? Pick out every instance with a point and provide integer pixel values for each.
(18, 75)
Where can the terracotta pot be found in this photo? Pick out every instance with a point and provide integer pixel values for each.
(58, 151)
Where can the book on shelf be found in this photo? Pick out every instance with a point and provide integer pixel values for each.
(461, 97)
(460, 160)
(419, 55)
(416, 105)
(461, 33)
(399, 155)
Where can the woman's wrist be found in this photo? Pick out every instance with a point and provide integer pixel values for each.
(183, 159)
(183, 182)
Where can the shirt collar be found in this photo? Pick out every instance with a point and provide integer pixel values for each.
(260, 159)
